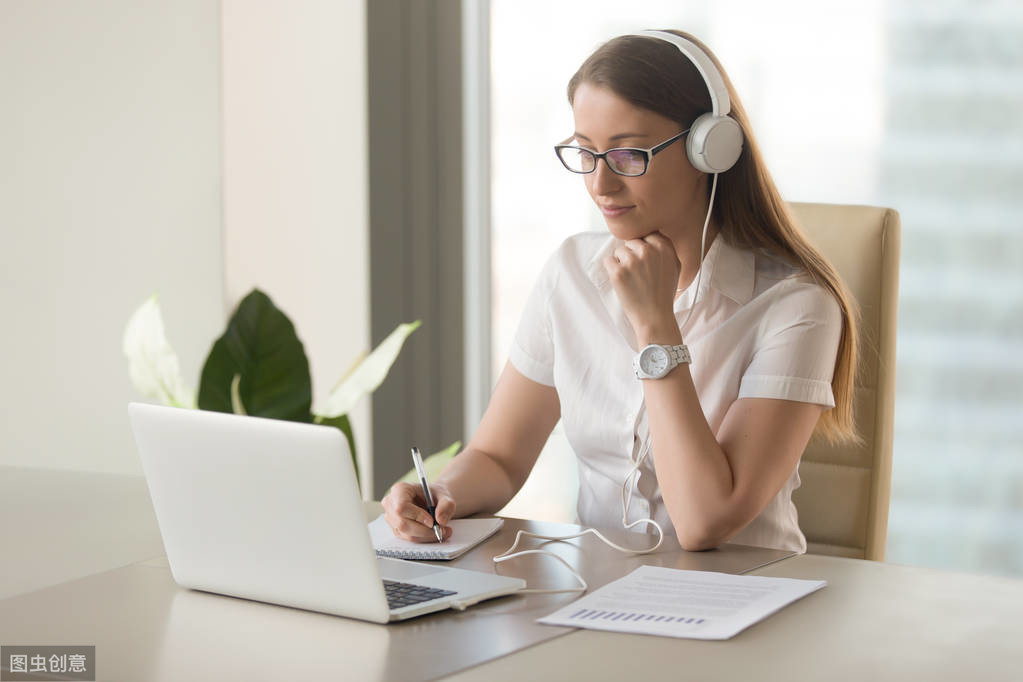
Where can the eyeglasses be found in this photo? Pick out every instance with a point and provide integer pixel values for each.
(628, 161)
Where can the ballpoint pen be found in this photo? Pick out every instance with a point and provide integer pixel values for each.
(417, 459)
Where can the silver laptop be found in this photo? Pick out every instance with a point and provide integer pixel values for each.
(270, 510)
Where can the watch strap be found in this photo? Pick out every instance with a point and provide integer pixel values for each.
(679, 353)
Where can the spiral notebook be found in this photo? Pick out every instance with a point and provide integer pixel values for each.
(466, 534)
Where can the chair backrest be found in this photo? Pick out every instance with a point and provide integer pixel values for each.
(843, 500)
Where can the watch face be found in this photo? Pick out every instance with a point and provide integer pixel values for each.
(653, 360)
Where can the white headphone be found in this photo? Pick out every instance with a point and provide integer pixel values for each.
(715, 139)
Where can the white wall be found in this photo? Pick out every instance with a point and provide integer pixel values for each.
(109, 190)
(189, 147)
(295, 176)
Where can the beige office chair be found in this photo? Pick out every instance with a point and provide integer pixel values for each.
(843, 500)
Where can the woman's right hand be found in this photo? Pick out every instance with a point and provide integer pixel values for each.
(405, 511)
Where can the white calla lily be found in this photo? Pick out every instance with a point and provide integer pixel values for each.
(368, 374)
(152, 363)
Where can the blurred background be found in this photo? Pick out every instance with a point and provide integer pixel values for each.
(199, 148)
(913, 105)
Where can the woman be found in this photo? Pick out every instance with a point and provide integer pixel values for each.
(710, 448)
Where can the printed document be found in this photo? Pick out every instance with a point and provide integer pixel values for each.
(674, 603)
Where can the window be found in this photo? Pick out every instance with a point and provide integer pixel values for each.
(918, 107)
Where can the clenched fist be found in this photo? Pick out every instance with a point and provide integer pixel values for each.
(644, 273)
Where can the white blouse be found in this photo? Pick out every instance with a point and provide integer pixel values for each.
(761, 329)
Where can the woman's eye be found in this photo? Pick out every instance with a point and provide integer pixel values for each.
(627, 161)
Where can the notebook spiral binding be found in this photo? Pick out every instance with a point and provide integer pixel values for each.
(402, 554)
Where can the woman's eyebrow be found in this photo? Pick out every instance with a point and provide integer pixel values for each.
(619, 136)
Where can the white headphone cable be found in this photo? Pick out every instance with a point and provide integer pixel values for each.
(703, 246)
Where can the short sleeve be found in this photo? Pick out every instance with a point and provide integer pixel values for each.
(532, 349)
(797, 346)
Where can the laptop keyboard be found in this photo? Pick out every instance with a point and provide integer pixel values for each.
(406, 594)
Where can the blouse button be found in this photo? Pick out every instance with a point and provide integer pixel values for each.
(630, 417)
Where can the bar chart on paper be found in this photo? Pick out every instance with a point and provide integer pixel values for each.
(674, 603)
(624, 616)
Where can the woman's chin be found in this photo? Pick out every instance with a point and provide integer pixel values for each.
(627, 232)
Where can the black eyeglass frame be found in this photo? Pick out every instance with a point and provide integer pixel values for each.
(647, 155)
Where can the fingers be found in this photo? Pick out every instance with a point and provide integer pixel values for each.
(634, 247)
(405, 512)
(644, 247)
(612, 267)
(632, 255)
(445, 510)
(659, 240)
(655, 242)
(623, 256)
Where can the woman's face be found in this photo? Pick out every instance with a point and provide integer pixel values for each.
(670, 197)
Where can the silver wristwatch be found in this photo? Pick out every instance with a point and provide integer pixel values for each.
(654, 361)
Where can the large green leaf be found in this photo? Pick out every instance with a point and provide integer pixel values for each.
(261, 348)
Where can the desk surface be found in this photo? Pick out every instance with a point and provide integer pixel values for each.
(874, 621)
(146, 627)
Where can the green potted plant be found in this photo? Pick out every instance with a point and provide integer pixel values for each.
(258, 367)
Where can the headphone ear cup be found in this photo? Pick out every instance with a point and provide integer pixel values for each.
(714, 143)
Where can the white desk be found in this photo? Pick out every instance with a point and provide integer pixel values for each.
(873, 622)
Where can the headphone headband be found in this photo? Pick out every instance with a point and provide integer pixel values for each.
(719, 101)
(715, 139)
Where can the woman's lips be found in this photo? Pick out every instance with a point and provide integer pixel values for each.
(615, 211)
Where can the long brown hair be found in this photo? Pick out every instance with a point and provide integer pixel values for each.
(655, 75)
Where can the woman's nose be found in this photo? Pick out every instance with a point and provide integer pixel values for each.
(605, 181)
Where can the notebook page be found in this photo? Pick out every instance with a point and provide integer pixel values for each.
(466, 534)
(670, 602)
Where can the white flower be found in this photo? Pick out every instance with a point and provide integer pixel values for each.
(152, 363)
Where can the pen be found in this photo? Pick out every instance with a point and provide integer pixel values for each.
(417, 459)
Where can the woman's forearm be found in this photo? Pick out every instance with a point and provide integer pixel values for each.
(693, 470)
(478, 483)
(500, 455)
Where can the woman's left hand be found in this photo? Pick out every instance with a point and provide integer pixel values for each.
(644, 273)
